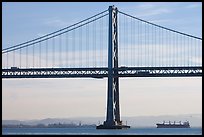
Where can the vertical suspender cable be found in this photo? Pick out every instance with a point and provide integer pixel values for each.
(20, 57)
(14, 58)
(100, 40)
(88, 46)
(92, 44)
(46, 53)
(80, 46)
(66, 50)
(53, 52)
(195, 52)
(188, 49)
(148, 64)
(166, 49)
(33, 55)
(26, 57)
(162, 47)
(40, 54)
(130, 42)
(159, 47)
(134, 38)
(174, 48)
(95, 36)
(74, 48)
(124, 36)
(156, 46)
(7, 60)
(60, 54)
(194, 57)
(184, 50)
(170, 50)
(141, 44)
(139, 48)
(181, 50)
(152, 46)
(177, 52)
(138, 44)
(127, 41)
(131, 49)
(76, 41)
(145, 45)
(119, 41)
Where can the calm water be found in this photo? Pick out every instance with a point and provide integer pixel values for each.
(93, 131)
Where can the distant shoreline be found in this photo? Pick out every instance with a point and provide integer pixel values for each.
(136, 122)
(55, 125)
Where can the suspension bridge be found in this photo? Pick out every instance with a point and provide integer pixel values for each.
(109, 44)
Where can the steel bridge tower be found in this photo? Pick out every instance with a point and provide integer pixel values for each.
(113, 110)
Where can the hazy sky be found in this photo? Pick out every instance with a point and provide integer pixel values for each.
(62, 98)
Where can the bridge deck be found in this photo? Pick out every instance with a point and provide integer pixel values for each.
(102, 72)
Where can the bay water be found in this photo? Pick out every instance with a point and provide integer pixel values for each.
(94, 131)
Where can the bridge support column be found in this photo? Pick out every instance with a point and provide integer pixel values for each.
(113, 111)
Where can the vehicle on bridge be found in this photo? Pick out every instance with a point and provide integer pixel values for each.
(143, 72)
(14, 68)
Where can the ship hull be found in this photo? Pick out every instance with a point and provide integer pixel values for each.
(172, 126)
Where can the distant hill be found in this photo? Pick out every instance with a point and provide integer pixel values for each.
(138, 121)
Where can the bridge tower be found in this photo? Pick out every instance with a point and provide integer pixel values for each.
(113, 110)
